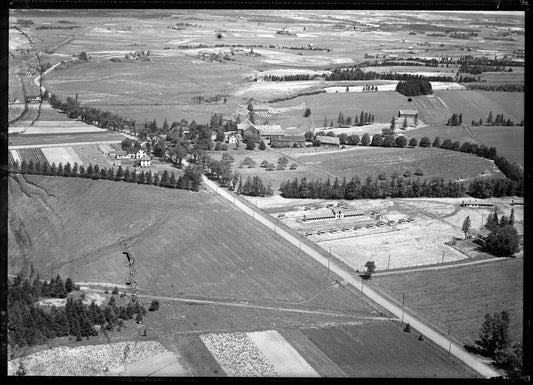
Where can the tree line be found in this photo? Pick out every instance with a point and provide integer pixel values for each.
(364, 118)
(29, 324)
(371, 188)
(358, 74)
(190, 180)
(507, 87)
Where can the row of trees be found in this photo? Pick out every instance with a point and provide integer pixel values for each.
(507, 87)
(371, 188)
(414, 87)
(455, 120)
(286, 78)
(364, 118)
(30, 324)
(500, 120)
(354, 73)
(190, 180)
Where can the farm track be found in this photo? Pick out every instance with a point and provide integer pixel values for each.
(476, 139)
(373, 294)
(450, 266)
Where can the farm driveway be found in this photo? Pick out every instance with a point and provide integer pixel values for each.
(357, 282)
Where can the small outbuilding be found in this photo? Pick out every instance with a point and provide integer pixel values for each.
(328, 141)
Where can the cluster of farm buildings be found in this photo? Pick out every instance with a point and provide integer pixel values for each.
(140, 156)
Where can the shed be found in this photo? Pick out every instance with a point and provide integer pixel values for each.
(288, 141)
(328, 141)
(145, 161)
(481, 236)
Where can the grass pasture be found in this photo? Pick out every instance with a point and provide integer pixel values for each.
(461, 296)
(509, 141)
(363, 161)
(250, 265)
(475, 105)
(328, 105)
(382, 349)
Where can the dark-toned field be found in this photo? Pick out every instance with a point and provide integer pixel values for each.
(462, 296)
(509, 141)
(372, 161)
(382, 347)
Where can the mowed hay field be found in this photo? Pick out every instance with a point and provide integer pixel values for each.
(382, 349)
(474, 105)
(184, 243)
(383, 105)
(434, 162)
(509, 141)
(461, 295)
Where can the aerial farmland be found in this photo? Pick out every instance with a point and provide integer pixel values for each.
(242, 193)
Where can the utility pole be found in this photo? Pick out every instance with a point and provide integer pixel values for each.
(329, 256)
(362, 282)
(442, 256)
(449, 338)
(388, 263)
(403, 303)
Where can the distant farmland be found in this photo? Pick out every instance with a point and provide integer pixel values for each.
(372, 161)
(461, 296)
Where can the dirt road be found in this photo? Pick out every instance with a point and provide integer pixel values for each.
(475, 363)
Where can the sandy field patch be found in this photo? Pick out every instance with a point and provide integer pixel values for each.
(420, 243)
(159, 365)
(16, 156)
(276, 87)
(286, 360)
(90, 360)
(446, 86)
(61, 155)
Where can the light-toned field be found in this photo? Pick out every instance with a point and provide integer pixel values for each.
(90, 360)
(61, 155)
(286, 360)
(363, 161)
(58, 127)
(65, 139)
(460, 297)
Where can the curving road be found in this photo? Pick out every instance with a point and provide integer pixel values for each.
(358, 283)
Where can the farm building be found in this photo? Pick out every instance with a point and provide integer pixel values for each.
(112, 153)
(243, 126)
(140, 154)
(232, 139)
(123, 155)
(117, 162)
(513, 203)
(145, 161)
(475, 204)
(288, 141)
(481, 236)
(333, 215)
(408, 116)
(328, 141)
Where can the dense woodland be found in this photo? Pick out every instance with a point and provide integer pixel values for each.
(355, 73)
(32, 324)
(414, 87)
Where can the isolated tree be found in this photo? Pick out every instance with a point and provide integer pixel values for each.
(250, 144)
(466, 226)
(69, 285)
(392, 123)
(370, 268)
(404, 126)
(494, 333)
(154, 306)
(262, 145)
(407, 328)
(490, 120)
(511, 217)
(413, 142)
(307, 112)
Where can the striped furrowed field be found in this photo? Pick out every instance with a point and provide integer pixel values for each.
(35, 154)
(93, 154)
